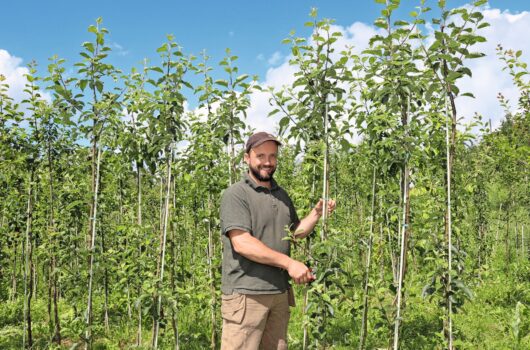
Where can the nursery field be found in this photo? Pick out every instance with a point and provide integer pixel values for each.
(110, 190)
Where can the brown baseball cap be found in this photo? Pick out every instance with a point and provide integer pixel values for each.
(258, 138)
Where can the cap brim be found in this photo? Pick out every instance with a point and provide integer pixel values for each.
(260, 142)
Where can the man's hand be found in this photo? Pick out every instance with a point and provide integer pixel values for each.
(300, 273)
(319, 208)
(308, 223)
(254, 249)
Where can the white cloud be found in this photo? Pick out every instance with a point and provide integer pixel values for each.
(510, 30)
(258, 111)
(11, 69)
(507, 28)
(275, 58)
(359, 35)
(356, 35)
(15, 74)
(280, 76)
(119, 49)
(257, 114)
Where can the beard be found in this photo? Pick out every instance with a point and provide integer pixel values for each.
(256, 171)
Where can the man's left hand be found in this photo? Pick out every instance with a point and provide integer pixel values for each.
(320, 206)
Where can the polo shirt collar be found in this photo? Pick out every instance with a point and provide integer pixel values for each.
(249, 181)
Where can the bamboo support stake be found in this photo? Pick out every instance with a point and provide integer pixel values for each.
(139, 223)
(403, 234)
(211, 276)
(306, 289)
(325, 185)
(449, 231)
(92, 253)
(163, 249)
(401, 262)
(28, 253)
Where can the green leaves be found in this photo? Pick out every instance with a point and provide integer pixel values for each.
(393, 94)
(93, 29)
(222, 83)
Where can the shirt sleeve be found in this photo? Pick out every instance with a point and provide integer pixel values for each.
(294, 216)
(235, 211)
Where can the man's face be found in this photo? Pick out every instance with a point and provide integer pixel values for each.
(262, 160)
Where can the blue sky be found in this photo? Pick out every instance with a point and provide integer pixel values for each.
(252, 29)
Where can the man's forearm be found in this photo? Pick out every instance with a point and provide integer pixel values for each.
(307, 224)
(255, 250)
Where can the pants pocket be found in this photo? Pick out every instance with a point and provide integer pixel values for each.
(233, 307)
(290, 297)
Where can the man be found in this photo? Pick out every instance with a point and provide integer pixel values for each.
(255, 216)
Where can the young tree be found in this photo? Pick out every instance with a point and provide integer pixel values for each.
(94, 73)
(312, 109)
(169, 127)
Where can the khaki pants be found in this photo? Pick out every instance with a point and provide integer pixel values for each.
(255, 321)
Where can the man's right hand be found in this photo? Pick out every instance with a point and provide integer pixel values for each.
(253, 249)
(300, 273)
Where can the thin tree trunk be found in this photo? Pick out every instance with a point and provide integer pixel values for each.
(367, 268)
(120, 221)
(14, 274)
(393, 257)
(92, 252)
(53, 263)
(400, 225)
(28, 275)
(306, 289)
(450, 148)
(161, 205)
(57, 322)
(325, 185)
(516, 234)
(34, 260)
(174, 314)
(211, 275)
(50, 292)
(406, 221)
(105, 284)
(495, 243)
(523, 248)
(174, 310)
(162, 254)
(140, 238)
(381, 251)
(402, 257)
(404, 237)
(2, 224)
(507, 245)
(482, 243)
(381, 242)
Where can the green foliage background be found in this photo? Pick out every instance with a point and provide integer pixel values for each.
(115, 152)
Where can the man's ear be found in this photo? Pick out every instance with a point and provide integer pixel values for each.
(246, 157)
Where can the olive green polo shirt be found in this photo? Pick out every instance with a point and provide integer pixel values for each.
(265, 214)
